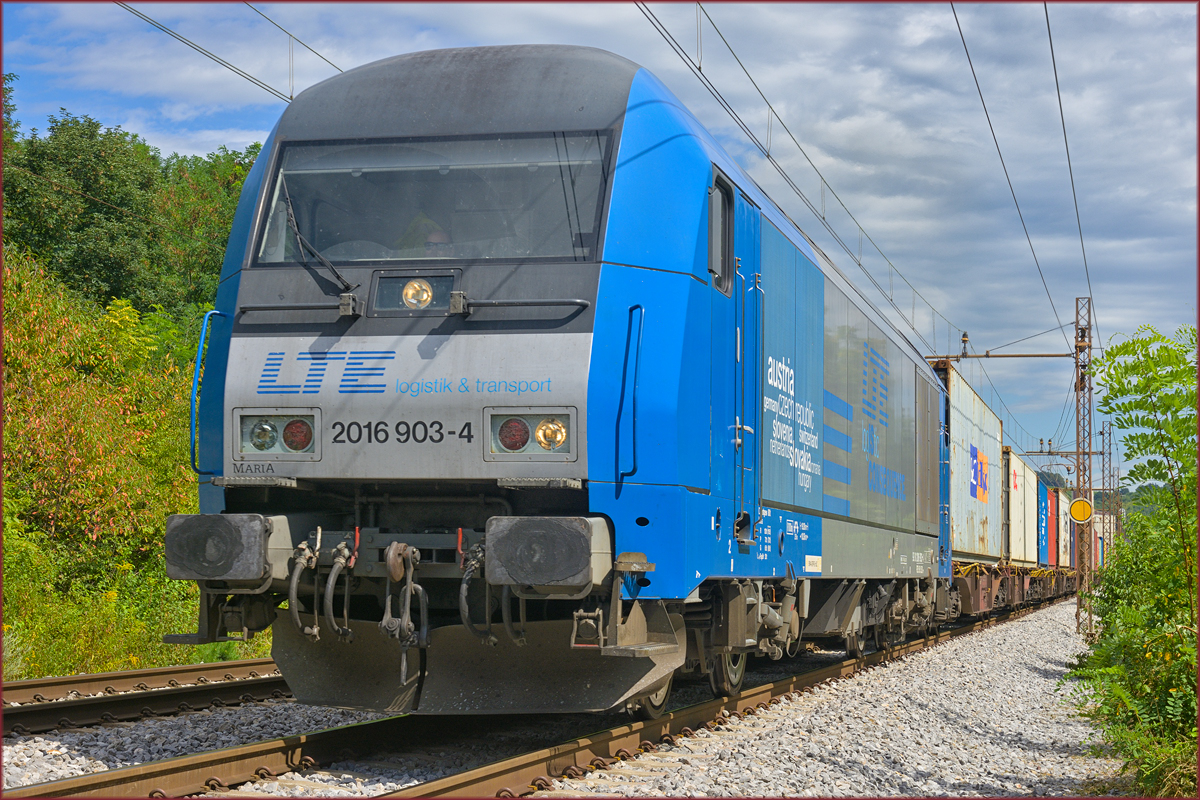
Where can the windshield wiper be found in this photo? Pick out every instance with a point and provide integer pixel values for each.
(348, 303)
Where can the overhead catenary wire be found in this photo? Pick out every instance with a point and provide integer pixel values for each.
(712, 89)
(1004, 167)
(202, 51)
(773, 115)
(1027, 338)
(295, 38)
(694, 66)
(996, 392)
(1070, 171)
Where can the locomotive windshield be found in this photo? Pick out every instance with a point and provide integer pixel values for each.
(493, 197)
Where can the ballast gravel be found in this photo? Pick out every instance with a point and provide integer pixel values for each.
(63, 754)
(980, 715)
(975, 716)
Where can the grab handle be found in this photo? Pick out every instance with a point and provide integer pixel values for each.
(196, 384)
(629, 388)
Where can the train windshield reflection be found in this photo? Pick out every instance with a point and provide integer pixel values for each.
(495, 197)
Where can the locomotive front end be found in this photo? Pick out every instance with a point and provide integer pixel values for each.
(392, 431)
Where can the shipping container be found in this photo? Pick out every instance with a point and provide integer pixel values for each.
(1052, 526)
(976, 462)
(1104, 525)
(1020, 510)
(1066, 538)
(1043, 529)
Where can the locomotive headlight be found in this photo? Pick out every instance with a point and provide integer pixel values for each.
(264, 435)
(287, 434)
(551, 434)
(417, 293)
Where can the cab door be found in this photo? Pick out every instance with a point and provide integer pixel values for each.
(724, 404)
(748, 360)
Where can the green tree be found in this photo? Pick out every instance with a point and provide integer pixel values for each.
(112, 218)
(11, 126)
(1052, 479)
(1139, 678)
(81, 198)
(1149, 387)
(195, 207)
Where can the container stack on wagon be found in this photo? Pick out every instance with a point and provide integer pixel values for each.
(1011, 536)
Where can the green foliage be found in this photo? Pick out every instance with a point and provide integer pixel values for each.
(1052, 478)
(80, 197)
(111, 257)
(11, 126)
(1141, 499)
(96, 457)
(1139, 678)
(112, 218)
(195, 206)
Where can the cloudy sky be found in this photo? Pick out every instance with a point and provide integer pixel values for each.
(880, 97)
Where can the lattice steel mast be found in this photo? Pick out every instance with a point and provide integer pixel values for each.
(1083, 461)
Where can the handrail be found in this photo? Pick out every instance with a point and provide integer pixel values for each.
(196, 384)
(633, 347)
(526, 303)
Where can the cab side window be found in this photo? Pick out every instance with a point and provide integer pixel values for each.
(720, 233)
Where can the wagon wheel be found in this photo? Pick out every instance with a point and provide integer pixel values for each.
(729, 669)
(652, 705)
(854, 645)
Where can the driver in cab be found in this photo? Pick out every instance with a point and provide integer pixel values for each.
(424, 238)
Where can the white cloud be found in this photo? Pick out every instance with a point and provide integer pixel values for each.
(880, 96)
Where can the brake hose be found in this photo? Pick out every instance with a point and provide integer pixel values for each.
(294, 596)
(472, 562)
(343, 555)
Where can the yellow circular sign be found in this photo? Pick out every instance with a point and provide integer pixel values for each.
(1081, 510)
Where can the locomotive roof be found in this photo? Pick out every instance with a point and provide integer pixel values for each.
(505, 89)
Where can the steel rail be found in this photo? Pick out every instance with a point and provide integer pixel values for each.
(531, 772)
(94, 710)
(220, 769)
(217, 769)
(46, 689)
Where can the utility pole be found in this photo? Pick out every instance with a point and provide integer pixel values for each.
(1083, 462)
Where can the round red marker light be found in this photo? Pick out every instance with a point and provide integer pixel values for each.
(513, 434)
(297, 435)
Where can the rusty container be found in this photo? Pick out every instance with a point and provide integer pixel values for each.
(976, 474)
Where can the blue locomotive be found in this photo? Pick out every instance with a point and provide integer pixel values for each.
(523, 396)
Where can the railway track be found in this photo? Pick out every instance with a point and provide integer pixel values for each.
(80, 700)
(217, 771)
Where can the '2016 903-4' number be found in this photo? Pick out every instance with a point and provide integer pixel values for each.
(402, 432)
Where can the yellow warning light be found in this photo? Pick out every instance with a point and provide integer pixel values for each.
(550, 434)
(1081, 510)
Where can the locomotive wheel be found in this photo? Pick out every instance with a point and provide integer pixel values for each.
(854, 645)
(652, 705)
(729, 669)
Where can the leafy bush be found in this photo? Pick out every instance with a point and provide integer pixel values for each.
(96, 456)
(1139, 678)
(112, 218)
